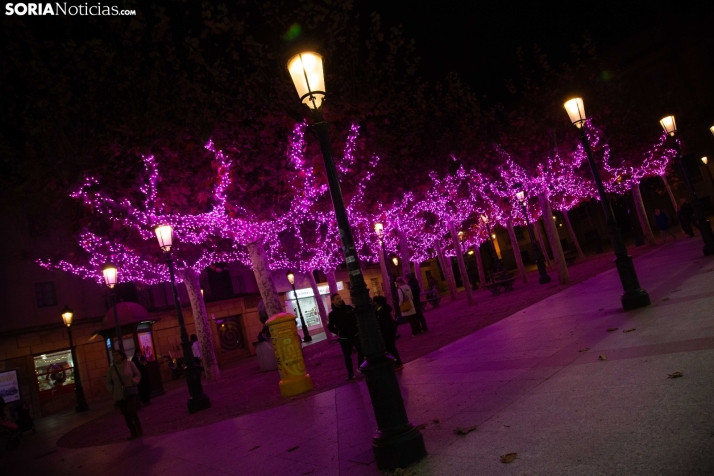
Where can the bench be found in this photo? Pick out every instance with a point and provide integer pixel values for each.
(570, 259)
(500, 282)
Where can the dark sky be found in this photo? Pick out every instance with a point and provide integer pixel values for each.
(478, 38)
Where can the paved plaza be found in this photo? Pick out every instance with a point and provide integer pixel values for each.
(572, 384)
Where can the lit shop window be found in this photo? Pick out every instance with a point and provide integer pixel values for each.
(55, 373)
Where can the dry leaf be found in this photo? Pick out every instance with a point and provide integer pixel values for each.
(629, 330)
(507, 426)
(293, 448)
(509, 458)
(676, 375)
(464, 430)
(255, 448)
(602, 357)
(612, 329)
(665, 299)
(309, 472)
(436, 420)
(422, 426)
(584, 349)
(404, 472)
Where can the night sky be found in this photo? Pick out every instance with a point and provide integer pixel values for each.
(478, 39)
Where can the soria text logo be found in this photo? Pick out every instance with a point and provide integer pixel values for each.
(57, 9)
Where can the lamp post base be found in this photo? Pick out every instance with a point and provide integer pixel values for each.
(199, 403)
(399, 443)
(544, 279)
(81, 403)
(634, 296)
(307, 337)
(635, 299)
(198, 400)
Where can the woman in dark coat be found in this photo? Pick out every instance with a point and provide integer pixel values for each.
(343, 322)
(388, 328)
(144, 385)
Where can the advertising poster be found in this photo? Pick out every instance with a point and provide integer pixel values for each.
(9, 388)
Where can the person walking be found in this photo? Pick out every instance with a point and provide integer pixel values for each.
(406, 305)
(663, 225)
(416, 292)
(196, 349)
(122, 380)
(144, 384)
(342, 322)
(389, 329)
(686, 217)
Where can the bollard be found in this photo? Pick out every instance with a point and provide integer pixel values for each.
(288, 354)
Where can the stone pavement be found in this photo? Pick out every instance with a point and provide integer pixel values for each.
(523, 381)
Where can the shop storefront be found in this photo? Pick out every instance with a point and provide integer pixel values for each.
(308, 304)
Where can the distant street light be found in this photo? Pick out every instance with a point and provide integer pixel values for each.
(305, 334)
(670, 127)
(634, 296)
(82, 406)
(110, 279)
(379, 230)
(197, 399)
(497, 265)
(397, 443)
(705, 161)
(395, 260)
(540, 262)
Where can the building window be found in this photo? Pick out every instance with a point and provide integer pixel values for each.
(519, 232)
(55, 373)
(45, 294)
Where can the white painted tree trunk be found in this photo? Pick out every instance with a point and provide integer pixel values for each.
(261, 270)
(386, 283)
(516, 250)
(331, 281)
(462, 265)
(669, 191)
(417, 274)
(201, 323)
(318, 299)
(560, 265)
(479, 266)
(642, 214)
(446, 269)
(541, 243)
(572, 234)
(404, 252)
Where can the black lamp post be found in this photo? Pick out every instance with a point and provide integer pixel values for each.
(197, 399)
(540, 262)
(305, 334)
(705, 161)
(497, 265)
(379, 229)
(82, 406)
(670, 127)
(110, 279)
(396, 443)
(634, 296)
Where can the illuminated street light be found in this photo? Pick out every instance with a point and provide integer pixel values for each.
(305, 334)
(82, 406)
(110, 279)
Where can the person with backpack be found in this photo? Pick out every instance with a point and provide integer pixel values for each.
(406, 305)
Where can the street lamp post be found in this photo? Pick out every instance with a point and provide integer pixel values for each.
(110, 279)
(197, 399)
(634, 296)
(396, 443)
(497, 265)
(705, 161)
(540, 262)
(670, 127)
(82, 406)
(305, 334)
(379, 229)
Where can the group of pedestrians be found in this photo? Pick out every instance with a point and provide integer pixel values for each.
(685, 216)
(342, 322)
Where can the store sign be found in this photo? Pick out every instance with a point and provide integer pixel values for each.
(323, 289)
(9, 388)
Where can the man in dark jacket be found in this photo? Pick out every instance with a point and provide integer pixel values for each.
(663, 225)
(416, 292)
(343, 322)
(389, 329)
(686, 217)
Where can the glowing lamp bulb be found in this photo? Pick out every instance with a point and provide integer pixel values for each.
(576, 111)
(705, 160)
(110, 275)
(306, 72)
(164, 233)
(291, 277)
(67, 315)
(669, 125)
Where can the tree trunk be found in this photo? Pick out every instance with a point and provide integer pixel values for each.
(572, 234)
(541, 242)
(479, 266)
(386, 280)
(331, 281)
(554, 238)
(462, 265)
(318, 299)
(417, 274)
(669, 192)
(445, 268)
(642, 214)
(516, 250)
(201, 323)
(404, 252)
(261, 270)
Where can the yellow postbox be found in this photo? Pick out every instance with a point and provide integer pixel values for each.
(294, 380)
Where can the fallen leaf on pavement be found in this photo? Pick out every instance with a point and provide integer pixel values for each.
(665, 299)
(255, 448)
(436, 420)
(422, 426)
(602, 357)
(507, 426)
(629, 330)
(676, 375)
(464, 430)
(293, 448)
(404, 472)
(309, 472)
(584, 349)
(509, 458)
(612, 329)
